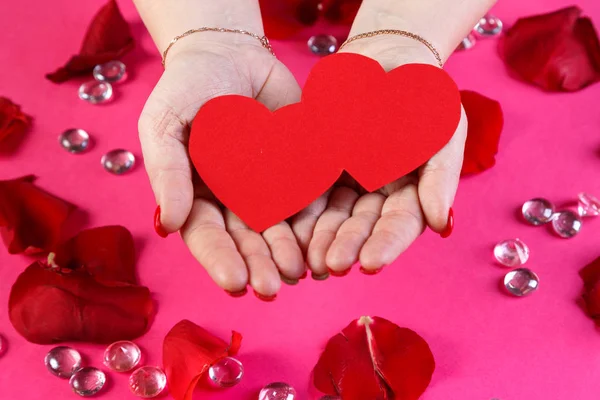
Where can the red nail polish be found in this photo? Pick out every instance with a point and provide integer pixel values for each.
(304, 275)
(370, 271)
(160, 231)
(265, 298)
(241, 293)
(339, 273)
(449, 226)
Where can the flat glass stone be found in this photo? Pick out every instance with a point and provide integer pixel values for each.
(467, 43)
(277, 391)
(74, 140)
(63, 361)
(112, 71)
(521, 282)
(589, 206)
(226, 372)
(489, 25)
(95, 92)
(566, 224)
(537, 211)
(511, 253)
(147, 382)
(323, 45)
(87, 381)
(122, 356)
(118, 161)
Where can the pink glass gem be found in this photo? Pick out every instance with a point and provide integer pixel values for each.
(489, 25)
(511, 253)
(122, 356)
(87, 381)
(112, 71)
(63, 361)
(467, 43)
(95, 92)
(118, 161)
(226, 372)
(277, 391)
(537, 211)
(566, 224)
(589, 206)
(521, 282)
(147, 382)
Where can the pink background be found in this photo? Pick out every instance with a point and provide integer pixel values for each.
(486, 344)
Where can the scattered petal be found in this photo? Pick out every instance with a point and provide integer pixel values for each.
(485, 119)
(13, 122)
(591, 293)
(188, 352)
(341, 11)
(108, 38)
(279, 18)
(558, 51)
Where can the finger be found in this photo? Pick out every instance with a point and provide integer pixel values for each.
(303, 223)
(280, 88)
(205, 235)
(400, 224)
(264, 276)
(285, 250)
(438, 179)
(354, 232)
(339, 209)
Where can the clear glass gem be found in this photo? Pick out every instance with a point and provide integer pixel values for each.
(537, 211)
(74, 140)
(122, 356)
(511, 253)
(112, 71)
(95, 92)
(521, 282)
(566, 224)
(277, 391)
(226, 372)
(467, 43)
(323, 45)
(589, 206)
(118, 161)
(87, 381)
(147, 382)
(63, 361)
(489, 25)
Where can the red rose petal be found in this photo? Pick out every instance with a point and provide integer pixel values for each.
(108, 38)
(49, 307)
(188, 352)
(341, 11)
(13, 122)
(280, 17)
(107, 253)
(373, 358)
(486, 120)
(591, 293)
(559, 51)
(30, 218)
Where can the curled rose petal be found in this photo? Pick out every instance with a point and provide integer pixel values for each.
(591, 293)
(188, 351)
(558, 51)
(31, 219)
(341, 11)
(46, 306)
(108, 38)
(13, 122)
(486, 121)
(373, 358)
(279, 17)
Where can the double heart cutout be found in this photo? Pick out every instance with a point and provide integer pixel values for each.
(266, 166)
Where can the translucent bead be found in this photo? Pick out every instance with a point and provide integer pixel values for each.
(118, 161)
(489, 25)
(87, 381)
(277, 391)
(511, 253)
(147, 382)
(521, 282)
(95, 92)
(537, 211)
(112, 71)
(122, 356)
(566, 224)
(63, 361)
(74, 140)
(467, 43)
(323, 45)
(589, 206)
(226, 372)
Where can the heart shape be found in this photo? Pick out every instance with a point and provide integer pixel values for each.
(266, 166)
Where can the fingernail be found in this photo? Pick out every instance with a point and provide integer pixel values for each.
(241, 293)
(319, 277)
(265, 298)
(289, 281)
(370, 271)
(305, 274)
(160, 231)
(339, 273)
(449, 226)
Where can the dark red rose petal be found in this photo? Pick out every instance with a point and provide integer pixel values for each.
(188, 351)
(373, 358)
(559, 51)
(280, 17)
(486, 121)
(31, 219)
(591, 293)
(341, 11)
(108, 38)
(13, 122)
(49, 307)
(107, 253)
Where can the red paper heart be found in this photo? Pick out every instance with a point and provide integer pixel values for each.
(266, 166)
